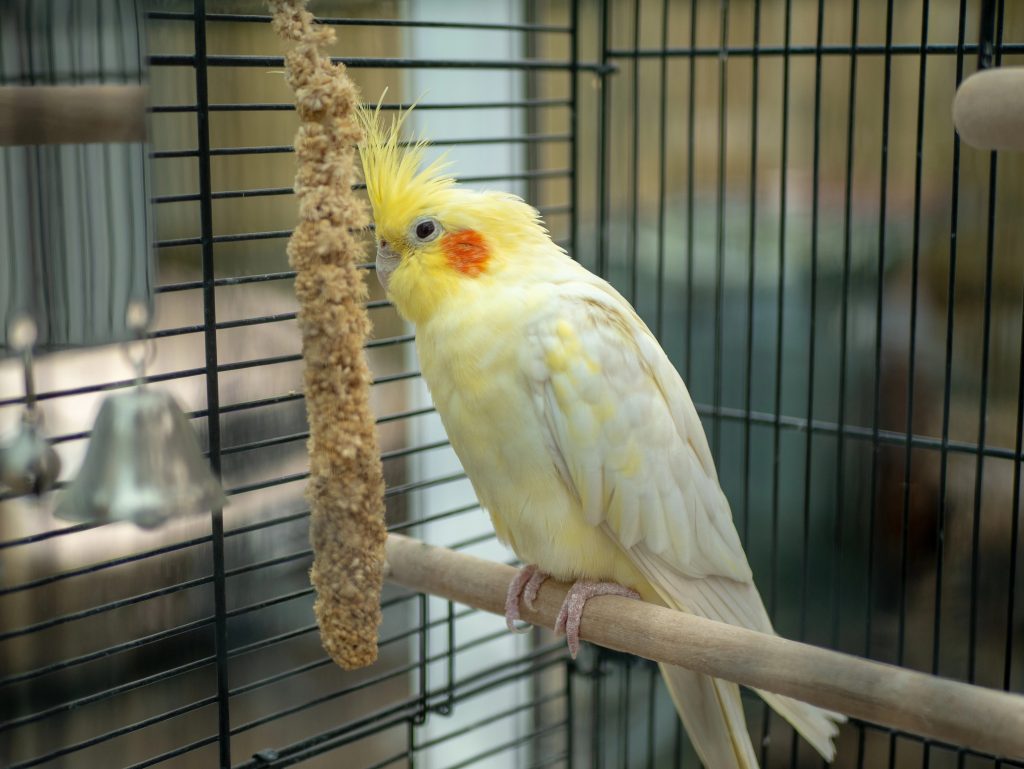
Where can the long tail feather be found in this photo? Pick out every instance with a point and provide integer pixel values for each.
(712, 712)
(814, 724)
(738, 604)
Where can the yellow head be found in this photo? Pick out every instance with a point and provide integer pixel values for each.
(437, 241)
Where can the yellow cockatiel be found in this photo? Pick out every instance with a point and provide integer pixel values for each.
(576, 431)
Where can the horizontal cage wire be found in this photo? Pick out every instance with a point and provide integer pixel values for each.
(775, 185)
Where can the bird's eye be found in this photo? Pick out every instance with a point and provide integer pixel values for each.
(426, 230)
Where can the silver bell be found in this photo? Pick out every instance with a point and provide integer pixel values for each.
(143, 464)
(28, 463)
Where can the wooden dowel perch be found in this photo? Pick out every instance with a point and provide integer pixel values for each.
(346, 483)
(988, 109)
(938, 708)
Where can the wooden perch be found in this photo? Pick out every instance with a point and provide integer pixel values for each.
(72, 114)
(988, 110)
(937, 708)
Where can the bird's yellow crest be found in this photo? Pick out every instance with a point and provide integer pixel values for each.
(399, 185)
(435, 238)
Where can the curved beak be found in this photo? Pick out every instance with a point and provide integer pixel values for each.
(387, 261)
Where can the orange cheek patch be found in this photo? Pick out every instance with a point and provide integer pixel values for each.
(466, 251)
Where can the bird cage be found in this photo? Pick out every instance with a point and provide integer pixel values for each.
(775, 185)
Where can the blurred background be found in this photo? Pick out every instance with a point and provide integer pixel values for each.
(777, 187)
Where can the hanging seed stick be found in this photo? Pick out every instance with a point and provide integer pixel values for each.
(346, 485)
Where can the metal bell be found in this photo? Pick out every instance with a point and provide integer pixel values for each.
(143, 465)
(28, 463)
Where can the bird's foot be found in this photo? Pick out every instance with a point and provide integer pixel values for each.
(523, 587)
(571, 613)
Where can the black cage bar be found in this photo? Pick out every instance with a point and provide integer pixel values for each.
(777, 187)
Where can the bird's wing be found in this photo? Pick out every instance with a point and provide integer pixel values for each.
(626, 440)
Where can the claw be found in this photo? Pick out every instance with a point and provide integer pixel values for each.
(571, 614)
(524, 586)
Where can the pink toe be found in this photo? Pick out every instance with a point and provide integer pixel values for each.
(560, 620)
(533, 587)
(572, 631)
(570, 616)
(515, 589)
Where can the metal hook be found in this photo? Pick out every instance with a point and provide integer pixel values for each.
(140, 351)
(986, 35)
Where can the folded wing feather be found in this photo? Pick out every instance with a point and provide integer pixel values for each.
(627, 442)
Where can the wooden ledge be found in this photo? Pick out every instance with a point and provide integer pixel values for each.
(72, 114)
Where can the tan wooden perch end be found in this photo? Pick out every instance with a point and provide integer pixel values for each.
(988, 110)
(938, 708)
